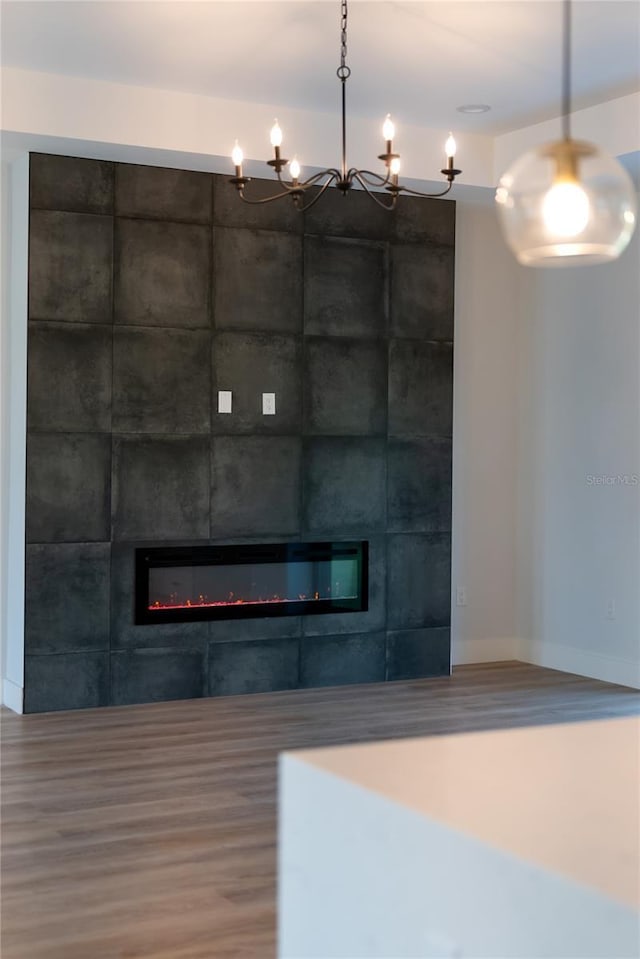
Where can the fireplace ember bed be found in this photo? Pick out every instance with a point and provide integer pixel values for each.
(186, 584)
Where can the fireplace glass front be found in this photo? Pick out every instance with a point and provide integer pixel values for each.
(182, 584)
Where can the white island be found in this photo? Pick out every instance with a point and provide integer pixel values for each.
(515, 843)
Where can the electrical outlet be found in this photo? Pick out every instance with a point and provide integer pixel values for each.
(611, 609)
(461, 596)
(268, 404)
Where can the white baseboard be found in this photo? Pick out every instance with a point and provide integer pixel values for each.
(467, 651)
(12, 696)
(582, 662)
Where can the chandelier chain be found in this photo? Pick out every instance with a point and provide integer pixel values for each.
(343, 33)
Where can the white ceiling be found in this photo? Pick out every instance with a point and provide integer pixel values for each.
(416, 60)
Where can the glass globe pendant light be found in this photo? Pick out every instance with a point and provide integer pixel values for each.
(566, 202)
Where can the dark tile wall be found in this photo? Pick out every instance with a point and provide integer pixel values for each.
(149, 291)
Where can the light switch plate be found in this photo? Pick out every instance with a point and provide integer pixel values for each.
(268, 404)
(224, 401)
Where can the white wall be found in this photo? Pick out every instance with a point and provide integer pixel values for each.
(578, 541)
(13, 365)
(547, 403)
(485, 434)
(117, 115)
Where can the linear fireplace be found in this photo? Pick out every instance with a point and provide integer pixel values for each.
(184, 584)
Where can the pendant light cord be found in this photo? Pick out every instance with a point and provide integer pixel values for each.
(566, 69)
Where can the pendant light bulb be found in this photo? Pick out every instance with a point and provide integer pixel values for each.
(388, 128)
(276, 135)
(294, 169)
(450, 146)
(237, 155)
(566, 209)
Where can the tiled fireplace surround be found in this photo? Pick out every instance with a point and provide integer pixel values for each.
(150, 290)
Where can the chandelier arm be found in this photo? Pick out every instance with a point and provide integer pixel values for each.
(311, 181)
(307, 206)
(378, 179)
(264, 199)
(288, 191)
(333, 174)
(431, 196)
(384, 206)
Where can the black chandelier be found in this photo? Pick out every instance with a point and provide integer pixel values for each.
(344, 178)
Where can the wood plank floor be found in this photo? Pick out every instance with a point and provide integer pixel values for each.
(150, 831)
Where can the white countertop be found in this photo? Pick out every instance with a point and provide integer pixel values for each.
(565, 797)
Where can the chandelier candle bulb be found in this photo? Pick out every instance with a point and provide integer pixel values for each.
(276, 142)
(450, 147)
(294, 168)
(237, 157)
(279, 162)
(388, 132)
(276, 135)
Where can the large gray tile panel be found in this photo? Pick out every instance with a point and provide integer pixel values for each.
(162, 274)
(67, 597)
(419, 485)
(418, 580)
(345, 386)
(253, 667)
(428, 221)
(249, 365)
(124, 633)
(230, 211)
(242, 630)
(156, 675)
(161, 487)
(66, 681)
(70, 267)
(342, 660)
(71, 184)
(353, 215)
(345, 287)
(163, 194)
(68, 487)
(420, 388)
(258, 280)
(422, 291)
(416, 653)
(344, 483)
(255, 486)
(69, 377)
(161, 381)
(371, 620)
